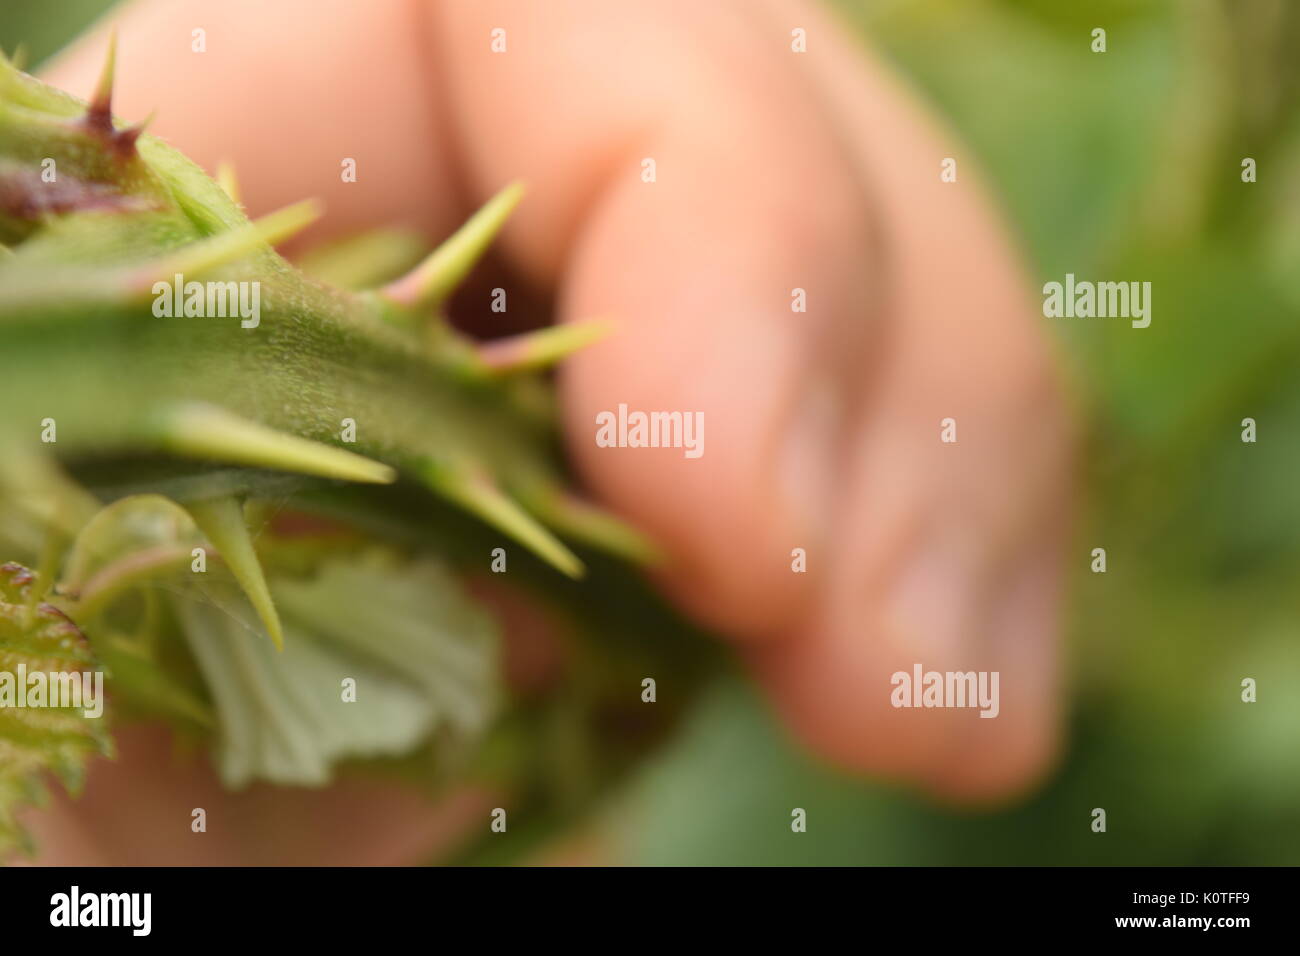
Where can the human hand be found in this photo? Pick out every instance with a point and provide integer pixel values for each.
(774, 171)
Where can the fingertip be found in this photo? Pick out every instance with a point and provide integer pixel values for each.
(850, 688)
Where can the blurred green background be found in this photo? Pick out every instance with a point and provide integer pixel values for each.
(1125, 165)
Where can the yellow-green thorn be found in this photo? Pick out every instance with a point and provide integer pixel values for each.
(228, 181)
(222, 521)
(594, 526)
(542, 348)
(208, 432)
(433, 280)
(479, 496)
(202, 257)
(19, 60)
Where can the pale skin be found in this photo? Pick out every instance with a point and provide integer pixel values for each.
(774, 171)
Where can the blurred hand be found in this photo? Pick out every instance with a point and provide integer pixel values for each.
(775, 170)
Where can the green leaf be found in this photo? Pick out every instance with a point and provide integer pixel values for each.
(423, 659)
(37, 740)
(412, 619)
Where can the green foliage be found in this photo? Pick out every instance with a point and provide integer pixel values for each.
(36, 638)
(420, 656)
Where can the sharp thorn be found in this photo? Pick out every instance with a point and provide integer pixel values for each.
(212, 433)
(478, 495)
(228, 181)
(99, 116)
(222, 521)
(433, 280)
(594, 526)
(225, 247)
(542, 348)
(124, 140)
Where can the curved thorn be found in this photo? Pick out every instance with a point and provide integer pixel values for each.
(433, 280)
(205, 431)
